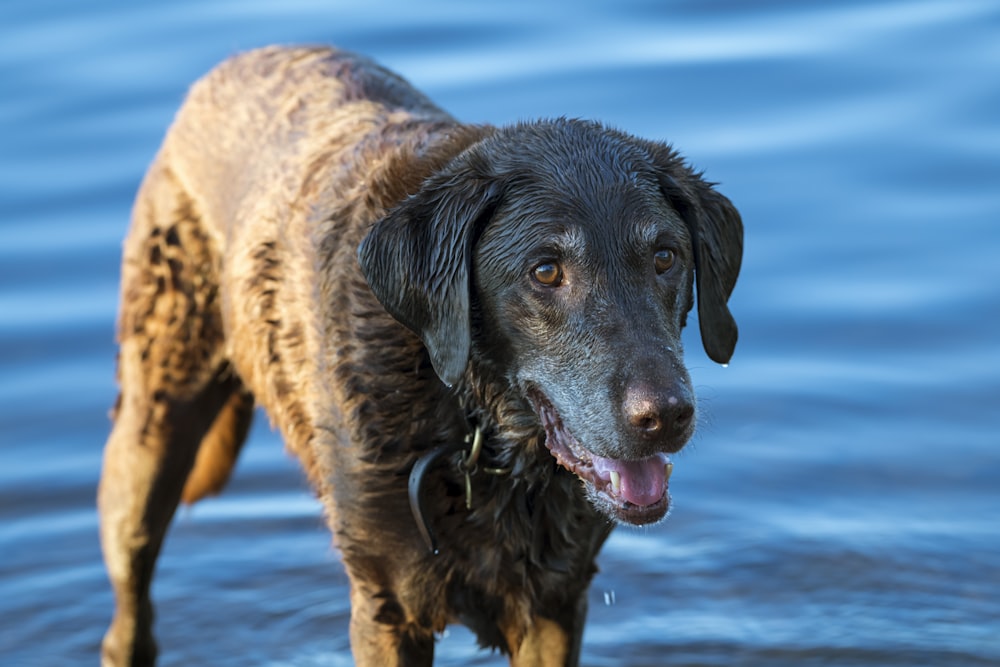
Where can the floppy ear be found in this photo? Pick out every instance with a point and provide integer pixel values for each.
(417, 261)
(717, 242)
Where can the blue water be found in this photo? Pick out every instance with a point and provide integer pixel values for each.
(841, 502)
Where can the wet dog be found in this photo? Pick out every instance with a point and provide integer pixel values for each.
(470, 336)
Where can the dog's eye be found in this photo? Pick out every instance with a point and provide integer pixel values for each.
(664, 259)
(548, 274)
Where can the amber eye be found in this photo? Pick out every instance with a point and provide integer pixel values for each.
(663, 260)
(548, 274)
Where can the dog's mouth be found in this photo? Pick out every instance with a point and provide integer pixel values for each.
(634, 492)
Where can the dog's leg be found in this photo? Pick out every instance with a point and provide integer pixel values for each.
(382, 636)
(545, 644)
(551, 643)
(146, 462)
(219, 448)
(174, 383)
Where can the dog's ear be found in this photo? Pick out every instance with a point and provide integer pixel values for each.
(418, 258)
(717, 242)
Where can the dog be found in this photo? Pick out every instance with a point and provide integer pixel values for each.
(470, 336)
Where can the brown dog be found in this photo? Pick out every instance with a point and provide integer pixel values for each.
(470, 336)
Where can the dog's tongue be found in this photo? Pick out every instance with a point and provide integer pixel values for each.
(642, 482)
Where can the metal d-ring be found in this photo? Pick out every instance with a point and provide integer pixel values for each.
(469, 460)
(468, 465)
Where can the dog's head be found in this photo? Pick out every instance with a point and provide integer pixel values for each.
(567, 255)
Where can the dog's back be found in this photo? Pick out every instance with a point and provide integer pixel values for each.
(265, 123)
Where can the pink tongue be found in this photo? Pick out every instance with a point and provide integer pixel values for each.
(642, 482)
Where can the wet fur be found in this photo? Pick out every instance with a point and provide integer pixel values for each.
(241, 283)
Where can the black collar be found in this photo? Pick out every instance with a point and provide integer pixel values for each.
(468, 466)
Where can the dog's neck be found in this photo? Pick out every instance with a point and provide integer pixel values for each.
(472, 463)
(487, 454)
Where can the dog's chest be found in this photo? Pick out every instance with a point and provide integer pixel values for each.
(520, 551)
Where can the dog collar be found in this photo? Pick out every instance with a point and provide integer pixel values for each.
(468, 466)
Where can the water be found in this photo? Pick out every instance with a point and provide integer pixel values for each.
(840, 503)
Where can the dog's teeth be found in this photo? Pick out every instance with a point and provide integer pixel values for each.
(668, 468)
(616, 481)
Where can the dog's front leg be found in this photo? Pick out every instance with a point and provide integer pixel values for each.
(550, 643)
(381, 633)
(545, 644)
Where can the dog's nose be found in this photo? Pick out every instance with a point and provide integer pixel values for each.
(658, 413)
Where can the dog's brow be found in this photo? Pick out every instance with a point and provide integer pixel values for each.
(572, 241)
(562, 240)
(650, 229)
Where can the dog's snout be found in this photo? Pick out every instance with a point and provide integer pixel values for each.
(658, 413)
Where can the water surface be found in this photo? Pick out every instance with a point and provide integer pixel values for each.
(839, 505)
